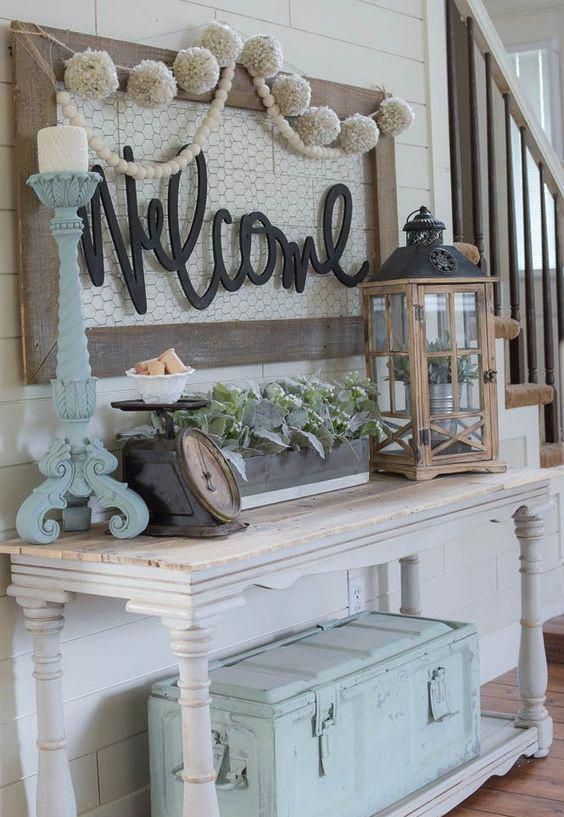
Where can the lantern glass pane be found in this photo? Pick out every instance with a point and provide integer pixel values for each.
(398, 322)
(441, 391)
(469, 382)
(397, 438)
(437, 322)
(401, 384)
(463, 435)
(379, 324)
(466, 320)
(380, 375)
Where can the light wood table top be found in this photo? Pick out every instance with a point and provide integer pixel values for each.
(277, 527)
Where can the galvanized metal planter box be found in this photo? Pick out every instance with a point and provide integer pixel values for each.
(279, 477)
(342, 722)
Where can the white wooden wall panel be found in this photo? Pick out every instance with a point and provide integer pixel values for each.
(366, 25)
(123, 767)
(363, 42)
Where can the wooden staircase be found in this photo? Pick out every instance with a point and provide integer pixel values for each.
(483, 88)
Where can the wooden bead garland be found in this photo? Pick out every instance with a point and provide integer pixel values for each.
(154, 170)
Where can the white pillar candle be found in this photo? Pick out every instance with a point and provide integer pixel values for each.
(62, 147)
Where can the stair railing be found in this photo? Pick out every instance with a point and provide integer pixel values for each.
(471, 34)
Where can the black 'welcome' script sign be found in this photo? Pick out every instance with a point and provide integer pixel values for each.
(295, 261)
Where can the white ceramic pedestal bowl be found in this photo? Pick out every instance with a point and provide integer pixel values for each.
(160, 388)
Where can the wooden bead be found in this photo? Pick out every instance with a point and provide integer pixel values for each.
(131, 168)
(122, 166)
(114, 160)
(63, 97)
(258, 81)
(195, 148)
(263, 90)
(268, 101)
(104, 154)
(141, 173)
(69, 110)
(221, 95)
(96, 143)
(174, 167)
(157, 172)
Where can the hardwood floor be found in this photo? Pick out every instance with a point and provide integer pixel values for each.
(533, 788)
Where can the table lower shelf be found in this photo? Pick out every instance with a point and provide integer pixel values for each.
(502, 745)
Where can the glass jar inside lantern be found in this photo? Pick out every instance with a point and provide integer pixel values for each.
(431, 350)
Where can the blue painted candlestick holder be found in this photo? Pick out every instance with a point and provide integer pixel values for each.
(75, 467)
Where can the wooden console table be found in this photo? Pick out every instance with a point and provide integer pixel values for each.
(190, 583)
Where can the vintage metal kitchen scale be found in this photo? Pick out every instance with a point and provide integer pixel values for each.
(188, 485)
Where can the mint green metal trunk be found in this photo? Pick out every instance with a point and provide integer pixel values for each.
(341, 721)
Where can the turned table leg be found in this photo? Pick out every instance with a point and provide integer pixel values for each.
(410, 585)
(191, 645)
(55, 793)
(532, 671)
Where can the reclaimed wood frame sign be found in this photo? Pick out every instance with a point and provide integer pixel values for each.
(205, 344)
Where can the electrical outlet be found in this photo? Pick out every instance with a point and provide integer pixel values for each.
(357, 593)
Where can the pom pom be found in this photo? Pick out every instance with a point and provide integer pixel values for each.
(358, 134)
(318, 126)
(394, 116)
(151, 84)
(262, 56)
(196, 70)
(292, 94)
(223, 42)
(91, 74)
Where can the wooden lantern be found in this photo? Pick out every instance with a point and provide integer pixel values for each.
(430, 347)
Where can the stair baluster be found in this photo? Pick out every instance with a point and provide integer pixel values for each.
(476, 169)
(493, 224)
(551, 424)
(530, 314)
(516, 361)
(454, 127)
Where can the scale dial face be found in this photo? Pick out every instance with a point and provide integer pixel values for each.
(209, 475)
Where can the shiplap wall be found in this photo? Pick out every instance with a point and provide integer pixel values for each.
(111, 659)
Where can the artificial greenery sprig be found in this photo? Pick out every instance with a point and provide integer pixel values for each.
(295, 413)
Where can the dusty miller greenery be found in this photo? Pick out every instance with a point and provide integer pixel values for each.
(295, 413)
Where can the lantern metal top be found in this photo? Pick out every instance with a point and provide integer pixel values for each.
(425, 256)
(423, 222)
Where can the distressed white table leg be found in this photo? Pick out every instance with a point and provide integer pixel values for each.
(410, 585)
(191, 645)
(55, 793)
(532, 671)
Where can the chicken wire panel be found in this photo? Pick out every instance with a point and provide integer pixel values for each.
(249, 168)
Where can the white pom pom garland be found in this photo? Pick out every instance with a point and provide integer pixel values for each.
(151, 84)
(394, 116)
(318, 126)
(262, 56)
(224, 42)
(196, 70)
(292, 94)
(91, 74)
(162, 170)
(359, 134)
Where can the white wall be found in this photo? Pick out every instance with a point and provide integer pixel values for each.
(112, 658)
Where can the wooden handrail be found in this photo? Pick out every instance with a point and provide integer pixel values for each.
(488, 40)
